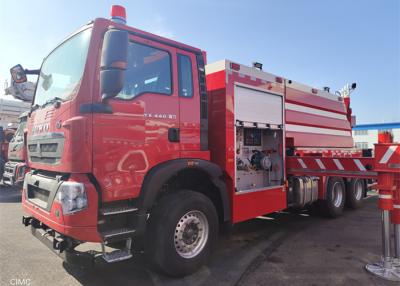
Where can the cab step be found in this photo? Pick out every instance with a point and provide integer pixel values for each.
(118, 232)
(119, 254)
(117, 210)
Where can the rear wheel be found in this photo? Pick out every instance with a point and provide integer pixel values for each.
(355, 193)
(182, 231)
(334, 201)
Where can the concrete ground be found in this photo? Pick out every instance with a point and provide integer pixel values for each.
(281, 249)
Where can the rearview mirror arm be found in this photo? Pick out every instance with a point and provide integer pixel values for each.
(36, 72)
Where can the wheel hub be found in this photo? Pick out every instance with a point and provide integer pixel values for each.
(337, 197)
(358, 190)
(191, 234)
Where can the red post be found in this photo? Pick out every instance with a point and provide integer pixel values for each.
(387, 164)
(386, 188)
(396, 219)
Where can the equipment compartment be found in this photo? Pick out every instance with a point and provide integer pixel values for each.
(259, 161)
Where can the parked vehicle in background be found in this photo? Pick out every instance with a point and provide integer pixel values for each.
(14, 168)
(134, 143)
(6, 136)
(14, 108)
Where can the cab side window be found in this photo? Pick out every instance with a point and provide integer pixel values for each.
(185, 79)
(148, 71)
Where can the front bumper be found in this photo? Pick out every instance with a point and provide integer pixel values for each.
(38, 200)
(62, 233)
(61, 245)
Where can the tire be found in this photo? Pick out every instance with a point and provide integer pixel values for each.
(175, 244)
(335, 196)
(355, 190)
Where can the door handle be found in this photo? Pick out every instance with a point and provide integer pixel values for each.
(173, 134)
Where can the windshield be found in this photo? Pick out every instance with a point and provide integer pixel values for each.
(19, 134)
(62, 70)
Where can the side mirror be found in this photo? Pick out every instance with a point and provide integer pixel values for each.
(18, 74)
(114, 57)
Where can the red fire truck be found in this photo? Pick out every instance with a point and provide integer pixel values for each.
(14, 168)
(5, 138)
(134, 143)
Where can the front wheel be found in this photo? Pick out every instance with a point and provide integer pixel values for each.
(183, 228)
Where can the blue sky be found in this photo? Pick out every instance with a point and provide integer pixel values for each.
(321, 43)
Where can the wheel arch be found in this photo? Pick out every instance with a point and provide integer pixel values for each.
(185, 173)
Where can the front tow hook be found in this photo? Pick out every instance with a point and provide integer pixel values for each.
(26, 220)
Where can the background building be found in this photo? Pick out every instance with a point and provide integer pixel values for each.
(11, 109)
(365, 135)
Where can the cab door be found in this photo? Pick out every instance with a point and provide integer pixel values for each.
(189, 102)
(143, 128)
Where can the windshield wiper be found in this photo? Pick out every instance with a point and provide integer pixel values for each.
(56, 100)
(34, 107)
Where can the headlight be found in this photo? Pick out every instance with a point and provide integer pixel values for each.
(72, 197)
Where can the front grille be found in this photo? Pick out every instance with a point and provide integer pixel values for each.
(49, 114)
(46, 148)
(32, 147)
(9, 170)
(49, 147)
(47, 160)
(9, 167)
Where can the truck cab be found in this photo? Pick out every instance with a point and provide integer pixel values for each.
(119, 119)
